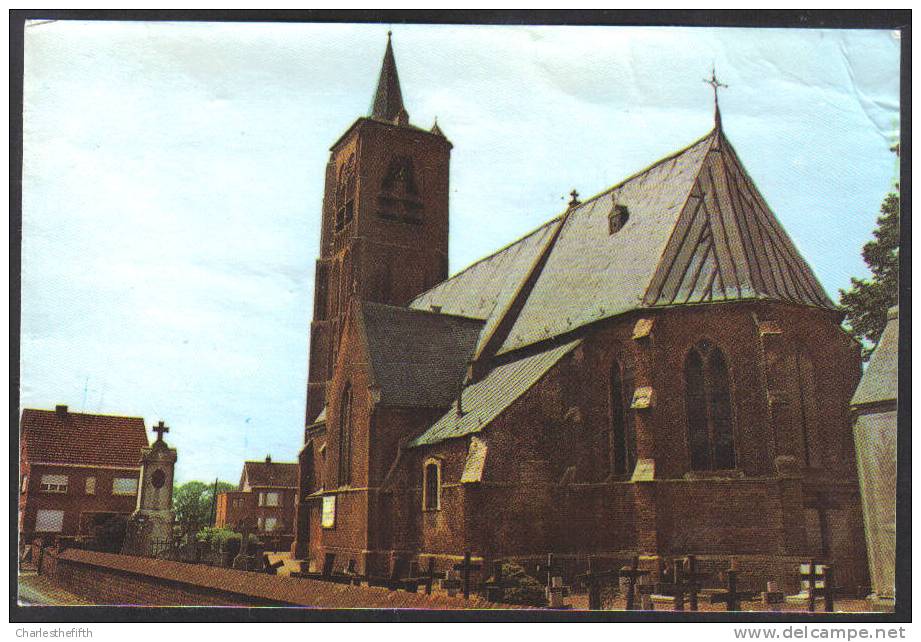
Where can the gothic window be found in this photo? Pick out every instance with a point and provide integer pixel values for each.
(804, 402)
(345, 437)
(622, 445)
(345, 193)
(431, 486)
(399, 199)
(709, 408)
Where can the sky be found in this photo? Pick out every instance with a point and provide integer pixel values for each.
(173, 177)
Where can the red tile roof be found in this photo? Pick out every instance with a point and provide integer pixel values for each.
(269, 473)
(78, 438)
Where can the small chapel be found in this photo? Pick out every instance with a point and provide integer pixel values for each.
(655, 370)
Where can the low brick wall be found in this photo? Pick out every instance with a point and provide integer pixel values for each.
(109, 579)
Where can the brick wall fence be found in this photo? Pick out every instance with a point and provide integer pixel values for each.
(110, 579)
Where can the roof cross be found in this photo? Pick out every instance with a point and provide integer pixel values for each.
(575, 198)
(717, 85)
(160, 428)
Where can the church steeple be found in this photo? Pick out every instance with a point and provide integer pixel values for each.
(388, 100)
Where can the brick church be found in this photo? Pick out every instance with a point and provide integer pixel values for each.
(655, 370)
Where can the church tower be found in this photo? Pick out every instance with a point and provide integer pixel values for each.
(384, 228)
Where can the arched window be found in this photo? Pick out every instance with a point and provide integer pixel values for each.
(622, 447)
(345, 193)
(709, 408)
(803, 402)
(345, 437)
(431, 485)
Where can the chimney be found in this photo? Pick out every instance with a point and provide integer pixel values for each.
(61, 411)
(268, 459)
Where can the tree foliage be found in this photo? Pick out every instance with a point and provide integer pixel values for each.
(192, 504)
(866, 302)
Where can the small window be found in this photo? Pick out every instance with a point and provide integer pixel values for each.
(270, 523)
(49, 521)
(90, 485)
(260, 523)
(271, 499)
(24, 486)
(617, 218)
(124, 486)
(54, 483)
(262, 499)
(431, 489)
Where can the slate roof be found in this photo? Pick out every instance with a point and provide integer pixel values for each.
(388, 99)
(418, 358)
(269, 473)
(880, 382)
(697, 232)
(485, 400)
(80, 438)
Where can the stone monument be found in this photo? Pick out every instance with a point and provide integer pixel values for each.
(150, 527)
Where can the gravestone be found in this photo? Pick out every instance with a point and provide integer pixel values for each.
(149, 531)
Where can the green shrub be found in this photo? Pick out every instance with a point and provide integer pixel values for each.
(521, 588)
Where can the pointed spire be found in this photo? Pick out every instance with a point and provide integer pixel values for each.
(436, 129)
(388, 101)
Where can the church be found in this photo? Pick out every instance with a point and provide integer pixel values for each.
(655, 370)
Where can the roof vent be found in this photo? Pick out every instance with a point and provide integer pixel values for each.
(617, 218)
(436, 308)
(268, 459)
(61, 410)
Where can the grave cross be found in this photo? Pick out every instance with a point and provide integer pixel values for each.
(593, 579)
(495, 590)
(827, 590)
(692, 581)
(466, 567)
(632, 573)
(160, 428)
(732, 596)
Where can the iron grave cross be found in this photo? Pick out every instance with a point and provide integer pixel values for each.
(160, 428)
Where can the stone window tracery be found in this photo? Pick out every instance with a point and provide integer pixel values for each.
(709, 408)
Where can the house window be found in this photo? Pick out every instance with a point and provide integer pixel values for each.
(709, 408)
(431, 487)
(622, 447)
(54, 484)
(125, 486)
(90, 485)
(270, 523)
(49, 521)
(345, 437)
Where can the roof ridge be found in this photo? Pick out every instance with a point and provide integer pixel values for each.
(402, 308)
(684, 202)
(83, 414)
(648, 168)
(502, 249)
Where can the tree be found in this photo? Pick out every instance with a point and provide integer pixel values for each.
(192, 502)
(866, 302)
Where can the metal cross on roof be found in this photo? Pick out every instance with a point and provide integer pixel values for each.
(717, 85)
(160, 428)
(575, 198)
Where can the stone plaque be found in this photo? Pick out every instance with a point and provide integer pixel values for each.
(329, 511)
